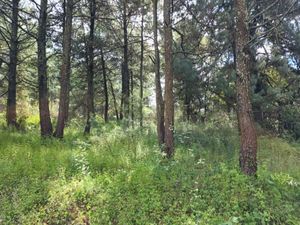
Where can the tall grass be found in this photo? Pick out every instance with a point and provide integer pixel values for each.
(117, 176)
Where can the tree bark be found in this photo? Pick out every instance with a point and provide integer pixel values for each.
(169, 98)
(65, 71)
(160, 128)
(11, 113)
(125, 69)
(45, 119)
(248, 150)
(141, 70)
(90, 71)
(106, 101)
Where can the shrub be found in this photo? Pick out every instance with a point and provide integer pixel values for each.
(121, 178)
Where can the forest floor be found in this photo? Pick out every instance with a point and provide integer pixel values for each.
(120, 177)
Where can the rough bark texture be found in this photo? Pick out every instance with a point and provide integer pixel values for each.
(106, 102)
(90, 70)
(45, 119)
(248, 150)
(169, 99)
(159, 99)
(11, 113)
(141, 70)
(124, 112)
(65, 71)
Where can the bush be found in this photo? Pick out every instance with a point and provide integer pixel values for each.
(291, 120)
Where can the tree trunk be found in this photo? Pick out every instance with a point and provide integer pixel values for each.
(65, 71)
(125, 69)
(11, 113)
(187, 104)
(106, 103)
(132, 103)
(158, 92)
(141, 70)
(114, 99)
(90, 71)
(248, 150)
(169, 99)
(45, 119)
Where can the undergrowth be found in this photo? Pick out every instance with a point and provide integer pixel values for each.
(115, 176)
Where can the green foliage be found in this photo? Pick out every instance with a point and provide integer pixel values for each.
(2, 120)
(291, 120)
(117, 177)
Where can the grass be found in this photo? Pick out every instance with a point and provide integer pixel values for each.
(120, 177)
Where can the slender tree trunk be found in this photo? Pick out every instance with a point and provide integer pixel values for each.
(158, 91)
(169, 98)
(106, 103)
(65, 71)
(125, 69)
(187, 104)
(64, 25)
(11, 113)
(131, 97)
(90, 72)
(248, 151)
(141, 70)
(45, 119)
(114, 98)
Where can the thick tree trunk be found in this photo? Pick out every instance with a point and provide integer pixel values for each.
(124, 112)
(106, 103)
(90, 71)
(248, 150)
(45, 119)
(11, 113)
(65, 71)
(158, 92)
(169, 98)
(142, 70)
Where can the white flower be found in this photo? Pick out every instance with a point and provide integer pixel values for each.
(201, 162)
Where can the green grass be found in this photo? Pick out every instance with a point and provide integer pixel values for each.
(120, 177)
